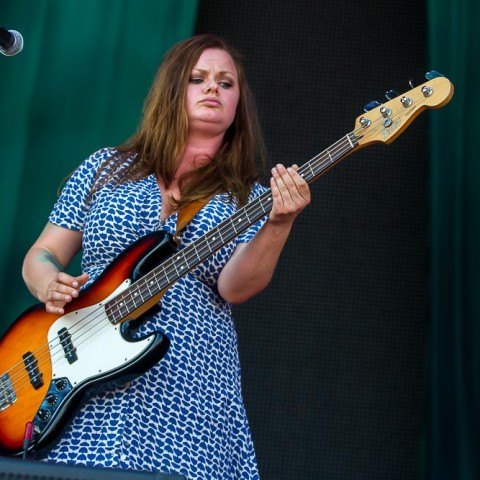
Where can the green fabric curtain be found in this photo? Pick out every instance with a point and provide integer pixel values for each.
(78, 85)
(453, 441)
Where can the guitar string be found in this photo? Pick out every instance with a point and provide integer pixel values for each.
(309, 164)
(168, 272)
(84, 327)
(328, 152)
(192, 255)
(331, 153)
(184, 253)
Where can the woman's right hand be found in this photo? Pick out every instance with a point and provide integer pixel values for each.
(63, 289)
(45, 264)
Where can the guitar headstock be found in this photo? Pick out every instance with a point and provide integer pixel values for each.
(385, 122)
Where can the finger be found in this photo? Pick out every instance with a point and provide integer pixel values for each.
(282, 179)
(63, 278)
(280, 192)
(67, 284)
(57, 291)
(289, 175)
(82, 279)
(58, 297)
(301, 186)
(55, 307)
(296, 191)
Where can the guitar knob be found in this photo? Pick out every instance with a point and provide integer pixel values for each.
(61, 384)
(43, 415)
(52, 399)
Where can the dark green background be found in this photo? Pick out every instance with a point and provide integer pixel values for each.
(411, 410)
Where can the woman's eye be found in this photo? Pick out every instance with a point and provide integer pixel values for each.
(196, 80)
(225, 85)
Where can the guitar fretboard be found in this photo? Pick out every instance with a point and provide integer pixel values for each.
(186, 259)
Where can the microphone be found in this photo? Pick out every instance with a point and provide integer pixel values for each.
(11, 42)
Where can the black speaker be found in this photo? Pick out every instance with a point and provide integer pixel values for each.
(11, 469)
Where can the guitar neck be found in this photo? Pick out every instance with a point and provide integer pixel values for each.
(319, 164)
(186, 259)
(201, 249)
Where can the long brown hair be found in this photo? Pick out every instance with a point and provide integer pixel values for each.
(158, 144)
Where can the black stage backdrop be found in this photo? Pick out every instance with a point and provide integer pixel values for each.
(333, 352)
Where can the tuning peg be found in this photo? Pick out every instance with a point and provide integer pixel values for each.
(433, 74)
(370, 106)
(391, 94)
(411, 83)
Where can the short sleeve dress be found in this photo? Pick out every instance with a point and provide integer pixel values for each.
(185, 415)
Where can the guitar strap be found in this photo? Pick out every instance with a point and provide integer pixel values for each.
(187, 213)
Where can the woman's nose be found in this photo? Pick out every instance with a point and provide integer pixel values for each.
(211, 87)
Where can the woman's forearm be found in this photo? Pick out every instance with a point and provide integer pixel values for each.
(39, 268)
(251, 267)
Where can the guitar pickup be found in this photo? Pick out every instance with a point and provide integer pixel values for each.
(31, 365)
(67, 345)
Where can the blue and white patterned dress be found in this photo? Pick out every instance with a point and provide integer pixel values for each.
(186, 414)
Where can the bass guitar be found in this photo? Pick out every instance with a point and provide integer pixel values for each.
(48, 363)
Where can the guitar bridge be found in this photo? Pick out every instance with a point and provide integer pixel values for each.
(7, 393)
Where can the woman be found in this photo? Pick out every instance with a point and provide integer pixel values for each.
(198, 140)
